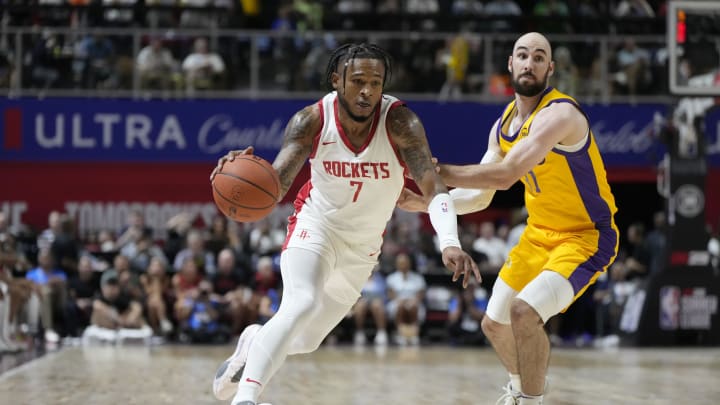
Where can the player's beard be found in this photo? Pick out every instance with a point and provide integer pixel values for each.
(357, 118)
(529, 90)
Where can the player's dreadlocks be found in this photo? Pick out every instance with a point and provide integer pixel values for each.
(346, 53)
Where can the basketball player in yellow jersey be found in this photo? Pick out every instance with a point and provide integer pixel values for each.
(543, 139)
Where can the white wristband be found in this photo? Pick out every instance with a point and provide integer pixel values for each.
(444, 219)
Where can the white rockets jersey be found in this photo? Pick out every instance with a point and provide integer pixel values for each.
(352, 191)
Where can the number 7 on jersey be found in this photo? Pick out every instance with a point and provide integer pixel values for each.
(357, 184)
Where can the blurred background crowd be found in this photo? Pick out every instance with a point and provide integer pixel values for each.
(441, 48)
(204, 282)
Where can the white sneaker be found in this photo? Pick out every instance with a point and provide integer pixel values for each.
(51, 336)
(414, 340)
(230, 371)
(103, 335)
(166, 327)
(143, 334)
(381, 338)
(9, 345)
(510, 397)
(5, 347)
(359, 338)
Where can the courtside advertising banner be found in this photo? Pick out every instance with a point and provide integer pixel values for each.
(99, 158)
(102, 130)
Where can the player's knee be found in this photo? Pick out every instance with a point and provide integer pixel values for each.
(522, 312)
(361, 305)
(377, 305)
(153, 303)
(298, 306)
(490, 327)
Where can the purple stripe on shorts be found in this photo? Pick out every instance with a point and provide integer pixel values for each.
(583, 174)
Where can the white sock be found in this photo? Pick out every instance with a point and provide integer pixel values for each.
(250, 388)
(515, 382)
(531, 399)
(32, 311)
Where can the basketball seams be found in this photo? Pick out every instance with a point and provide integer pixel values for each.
(274, 197)
(244, 192)
(235, 203)
(271, 171)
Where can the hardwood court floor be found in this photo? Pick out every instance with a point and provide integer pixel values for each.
(182, 375)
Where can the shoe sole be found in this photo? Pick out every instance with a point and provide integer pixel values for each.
(230, 371)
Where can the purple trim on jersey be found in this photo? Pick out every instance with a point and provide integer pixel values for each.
(580, 151)
(512, 138)
(587, 143)
(597, 208)
(506, 115)
(535, 181)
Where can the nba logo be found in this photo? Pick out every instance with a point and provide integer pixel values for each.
(669, 308)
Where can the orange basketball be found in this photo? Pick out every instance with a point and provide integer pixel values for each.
(246, 189)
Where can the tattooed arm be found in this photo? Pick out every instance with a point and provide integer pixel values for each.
(408, 134)
(298, 143)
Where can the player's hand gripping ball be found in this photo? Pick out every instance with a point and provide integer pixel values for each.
(246, 188)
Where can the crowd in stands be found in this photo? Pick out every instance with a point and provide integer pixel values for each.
(504, 15)
(178, 63)
(207, 282)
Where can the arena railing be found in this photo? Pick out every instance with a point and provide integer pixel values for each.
(271, 64)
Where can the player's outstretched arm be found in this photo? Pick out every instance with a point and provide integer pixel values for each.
(408, 134)
(557, 123)
(466, 200)
(469, 200)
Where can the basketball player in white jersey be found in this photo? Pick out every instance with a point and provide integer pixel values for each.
(360, 143)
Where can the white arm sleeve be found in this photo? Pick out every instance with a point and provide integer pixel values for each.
(444, 220)
(469, 200)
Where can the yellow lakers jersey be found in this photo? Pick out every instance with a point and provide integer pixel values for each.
(567, 191)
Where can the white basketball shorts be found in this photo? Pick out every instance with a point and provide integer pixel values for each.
(350, 262)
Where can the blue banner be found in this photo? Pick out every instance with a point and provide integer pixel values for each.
(140, 131)
(712, 135)
(104, 130)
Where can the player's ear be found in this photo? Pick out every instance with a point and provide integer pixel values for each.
(335, 80)
(510, 63)
(551, 69)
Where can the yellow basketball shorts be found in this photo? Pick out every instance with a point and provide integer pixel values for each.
(578, 256)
